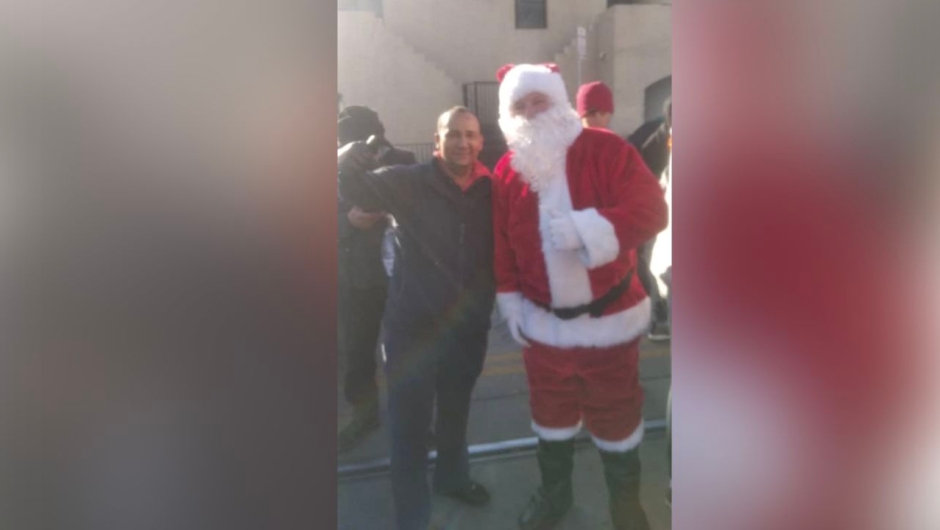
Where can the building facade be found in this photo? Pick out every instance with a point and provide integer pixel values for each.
(412, 59)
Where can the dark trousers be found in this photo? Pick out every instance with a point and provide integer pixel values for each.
(419, 366)
(360, 320)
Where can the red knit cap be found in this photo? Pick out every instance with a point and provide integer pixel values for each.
(594, 97)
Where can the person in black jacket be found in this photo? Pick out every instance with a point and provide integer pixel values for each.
(653, 141)
(362, 281)
(440, 300)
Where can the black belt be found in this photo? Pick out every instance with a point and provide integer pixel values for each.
(596, 307)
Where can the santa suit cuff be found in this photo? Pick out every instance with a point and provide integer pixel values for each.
(555, 434)
(601, 245)
(621, 446)
(510, 304)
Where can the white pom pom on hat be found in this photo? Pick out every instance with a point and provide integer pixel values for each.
(518, 80)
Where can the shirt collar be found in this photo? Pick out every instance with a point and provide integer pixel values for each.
(479, 171)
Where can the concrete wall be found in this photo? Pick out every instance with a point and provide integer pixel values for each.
(605, 67)
(567, 60)
(640, 53)
(629, 47)
(471, 39)
(460, 41)
(376, 68)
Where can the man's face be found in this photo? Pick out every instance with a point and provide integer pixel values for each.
(598, 120)
(459, 141)
(531, 105)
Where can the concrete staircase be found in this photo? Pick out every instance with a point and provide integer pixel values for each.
(375, 67)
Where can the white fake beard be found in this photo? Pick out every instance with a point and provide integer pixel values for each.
(540, 145)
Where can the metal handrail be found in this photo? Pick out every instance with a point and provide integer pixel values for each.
(480, 452)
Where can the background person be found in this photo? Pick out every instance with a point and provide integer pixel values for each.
(362, 281)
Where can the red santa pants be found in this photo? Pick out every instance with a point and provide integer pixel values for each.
(598, 387)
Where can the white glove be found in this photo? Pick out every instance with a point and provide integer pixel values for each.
(564, 234)
(515, 329)
(510, 306)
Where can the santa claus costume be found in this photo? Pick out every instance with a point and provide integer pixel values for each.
(570, 206)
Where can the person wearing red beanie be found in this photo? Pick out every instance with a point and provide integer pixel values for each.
(595, 105)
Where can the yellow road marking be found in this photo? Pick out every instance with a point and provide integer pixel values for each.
(503, 370)
(511, 356)
(518, 368)
(511, 363)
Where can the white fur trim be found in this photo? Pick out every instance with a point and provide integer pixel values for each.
(621, 446)
(568, 279)
(510, 304)
(556, 435)
(585, 331)
(564, 233)
(525, 78)
(540, 145)
(601, 245)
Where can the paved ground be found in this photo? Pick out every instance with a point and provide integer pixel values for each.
(367, 503)
(500, 411)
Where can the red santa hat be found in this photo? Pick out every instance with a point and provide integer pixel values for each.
(518, 80)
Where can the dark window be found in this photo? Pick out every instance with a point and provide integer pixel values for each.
(531, 14)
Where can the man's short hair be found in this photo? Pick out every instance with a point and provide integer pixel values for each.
(445, 116)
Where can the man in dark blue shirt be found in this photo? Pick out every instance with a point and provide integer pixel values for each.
(440, 300)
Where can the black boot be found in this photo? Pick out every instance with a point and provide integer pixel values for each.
(622, 473)
(365, 420)
(552, 500)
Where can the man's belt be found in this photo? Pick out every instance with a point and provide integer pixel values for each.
(596, 307)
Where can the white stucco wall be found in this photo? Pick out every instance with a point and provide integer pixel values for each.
(375, 68)
(471, 39)
(640, 53)
(590, 70)
(629, 47)
(412, 65)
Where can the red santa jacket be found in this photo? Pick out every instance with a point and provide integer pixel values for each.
(616, 204)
